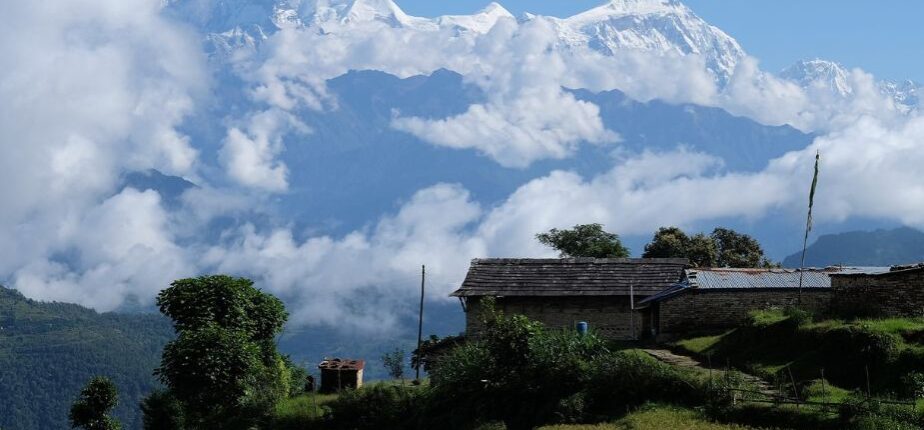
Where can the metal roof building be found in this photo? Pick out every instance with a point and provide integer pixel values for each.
(729, 279)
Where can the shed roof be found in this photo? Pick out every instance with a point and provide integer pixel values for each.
(723, 278)
(570, 276)
(883, 271)
(729, 278)
(341, 364)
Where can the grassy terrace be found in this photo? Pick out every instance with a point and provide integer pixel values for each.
(655, 417)
(774, 343)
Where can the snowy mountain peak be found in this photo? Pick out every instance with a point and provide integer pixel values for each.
(323, 13)
(818, 72)
(661, 26)
(833, 77)
(634, 7)
(480, 22)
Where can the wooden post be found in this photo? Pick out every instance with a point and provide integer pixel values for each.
(632, 311)
(423, 276)
(866, 369)
(824, 391)
(795, 392)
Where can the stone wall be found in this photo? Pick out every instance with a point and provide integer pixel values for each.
(610, 316)
(714, 309)
(895, 294)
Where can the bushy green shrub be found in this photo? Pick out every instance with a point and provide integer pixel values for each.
(860, 413)
(520, 373)
(798, 316)
(376, 407)
(622, 380)
(911, 385)
(162, 411)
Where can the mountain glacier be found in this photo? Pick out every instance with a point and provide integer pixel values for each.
(663, 27)
(834, 79)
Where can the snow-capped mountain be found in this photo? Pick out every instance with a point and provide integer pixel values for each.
(834, 77)
(480, 22)
(661, 26)
(819, 73)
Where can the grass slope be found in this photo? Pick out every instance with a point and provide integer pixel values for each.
(773, 344)
(48, 351)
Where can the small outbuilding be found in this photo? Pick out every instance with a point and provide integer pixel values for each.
(337, 374)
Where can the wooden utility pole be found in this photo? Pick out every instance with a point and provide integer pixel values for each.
(423, 277)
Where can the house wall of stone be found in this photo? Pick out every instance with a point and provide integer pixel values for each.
(610, 317)
(716, 309)
(899, 294)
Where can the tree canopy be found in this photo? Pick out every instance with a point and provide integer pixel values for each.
(723, 248)
(92, 408)
(584, 240)
(223, 366)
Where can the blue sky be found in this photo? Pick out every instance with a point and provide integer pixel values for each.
(882, 37)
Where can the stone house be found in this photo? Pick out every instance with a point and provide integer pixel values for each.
(716, 298)
(894, 292)
(561, 292)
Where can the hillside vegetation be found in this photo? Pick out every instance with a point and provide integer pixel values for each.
(775, 344)
(49, 350)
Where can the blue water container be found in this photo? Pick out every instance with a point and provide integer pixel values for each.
(582, 327)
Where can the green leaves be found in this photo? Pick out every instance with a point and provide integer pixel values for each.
(223, 366)
(225, 301)
(584, 240)
(723, 248)
(91, 409)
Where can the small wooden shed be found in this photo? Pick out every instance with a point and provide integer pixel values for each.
(337, 374)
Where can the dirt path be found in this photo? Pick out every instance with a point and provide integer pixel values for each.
(687, 362)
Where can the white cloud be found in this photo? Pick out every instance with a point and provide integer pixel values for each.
(249, 155)
(124, 249)
(322, 278)
(90, 89)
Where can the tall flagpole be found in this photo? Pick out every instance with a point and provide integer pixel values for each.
(808, 225)
(423, 277)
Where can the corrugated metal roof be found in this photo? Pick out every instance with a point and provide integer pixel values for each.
(728, 278)
(570, 276)
(882, 271)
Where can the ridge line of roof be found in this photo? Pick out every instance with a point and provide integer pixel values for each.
(581, 260)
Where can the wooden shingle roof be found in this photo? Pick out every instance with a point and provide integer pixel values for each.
(570, 276)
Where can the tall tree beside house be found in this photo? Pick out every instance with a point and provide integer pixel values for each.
(584, 240)
(92, 408)
(223, 366)
(738, 250)
(723, 248)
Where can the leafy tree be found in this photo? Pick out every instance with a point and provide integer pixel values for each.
(584, 240)
(91, 409)
(702, 251)
(162, 411)
(723, 248)
(738, 249)
(668, 242)
(394, 363)
(223, 366)
(672, 242)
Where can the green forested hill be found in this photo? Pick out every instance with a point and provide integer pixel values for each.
(48, 351)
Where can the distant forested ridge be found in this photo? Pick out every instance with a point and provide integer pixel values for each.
(864, 248)
(48, 351)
